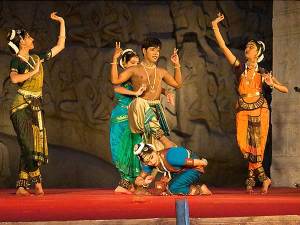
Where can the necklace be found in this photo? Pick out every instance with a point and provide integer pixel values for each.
(149, 66)
(246, 74)
(151, 86)
(166, 171)
(27, 61)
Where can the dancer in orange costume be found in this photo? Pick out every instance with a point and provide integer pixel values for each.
(252, 117)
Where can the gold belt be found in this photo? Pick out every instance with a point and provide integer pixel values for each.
(153, 102)
(256, 94)
(15, 109)
(34, 94)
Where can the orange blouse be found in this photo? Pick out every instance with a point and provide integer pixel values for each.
(250, 86)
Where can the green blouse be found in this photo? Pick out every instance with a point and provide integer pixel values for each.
(33, 85)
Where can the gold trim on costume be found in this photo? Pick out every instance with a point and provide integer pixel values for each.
(24, 105)
(256, 94)
(153, 102)
(38, 137)
(35, 173)
(189, 162)
(251, 106)
(35, 94)
(254, 131)
(119, 119)
(23, 175)
(40, 121)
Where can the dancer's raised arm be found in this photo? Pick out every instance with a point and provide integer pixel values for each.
(274, 83)
(228, 54)
(175, 81)
(117, 78)
(62, 34)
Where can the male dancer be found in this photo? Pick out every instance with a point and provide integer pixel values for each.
(145, 113)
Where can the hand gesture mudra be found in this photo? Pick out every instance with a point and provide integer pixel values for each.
(174, 57)
(55, 17)
(217, 20)
(268, 79)
(149, 179)
(170, 98)
(118, 50)
(140, 91)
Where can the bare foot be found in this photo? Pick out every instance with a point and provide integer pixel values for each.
(22, 192)
(265, 186)
(249, 190)
(204, 190)
(38, 189)
(141, 191)
(122, 190)
(132, 189)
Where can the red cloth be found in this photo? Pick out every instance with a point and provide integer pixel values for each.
(91, 204)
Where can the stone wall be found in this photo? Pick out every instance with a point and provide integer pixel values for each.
(79, 97)
(286, 108)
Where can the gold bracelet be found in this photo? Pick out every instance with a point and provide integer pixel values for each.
(176, 67)
(114, 63)
(145, 185)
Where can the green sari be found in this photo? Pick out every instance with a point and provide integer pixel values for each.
(122, 141)
(27, 117)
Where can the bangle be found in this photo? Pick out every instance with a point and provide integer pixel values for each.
(176, 67)
(189, 162)
(145, 185)
(114, 63)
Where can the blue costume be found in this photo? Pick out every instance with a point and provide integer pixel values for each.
(177, 162)
(122, 140)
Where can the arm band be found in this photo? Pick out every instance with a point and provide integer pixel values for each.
(189, 162)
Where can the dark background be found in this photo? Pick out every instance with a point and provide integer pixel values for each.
(79, 97)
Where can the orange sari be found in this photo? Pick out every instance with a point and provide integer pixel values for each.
(252, 122)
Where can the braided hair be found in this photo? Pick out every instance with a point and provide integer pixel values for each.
(14, 37)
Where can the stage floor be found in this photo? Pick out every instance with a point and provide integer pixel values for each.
(99, 204)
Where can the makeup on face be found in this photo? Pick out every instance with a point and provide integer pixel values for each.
(250, 50)
(133, 61)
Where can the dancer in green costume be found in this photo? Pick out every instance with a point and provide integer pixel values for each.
(26, 112)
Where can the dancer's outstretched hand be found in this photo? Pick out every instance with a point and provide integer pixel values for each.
(118, 51)
(175, 58)
(170, 98)
(140, 91)
(149, 179)
(215, 22)
(268, 79)
(55, 17)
